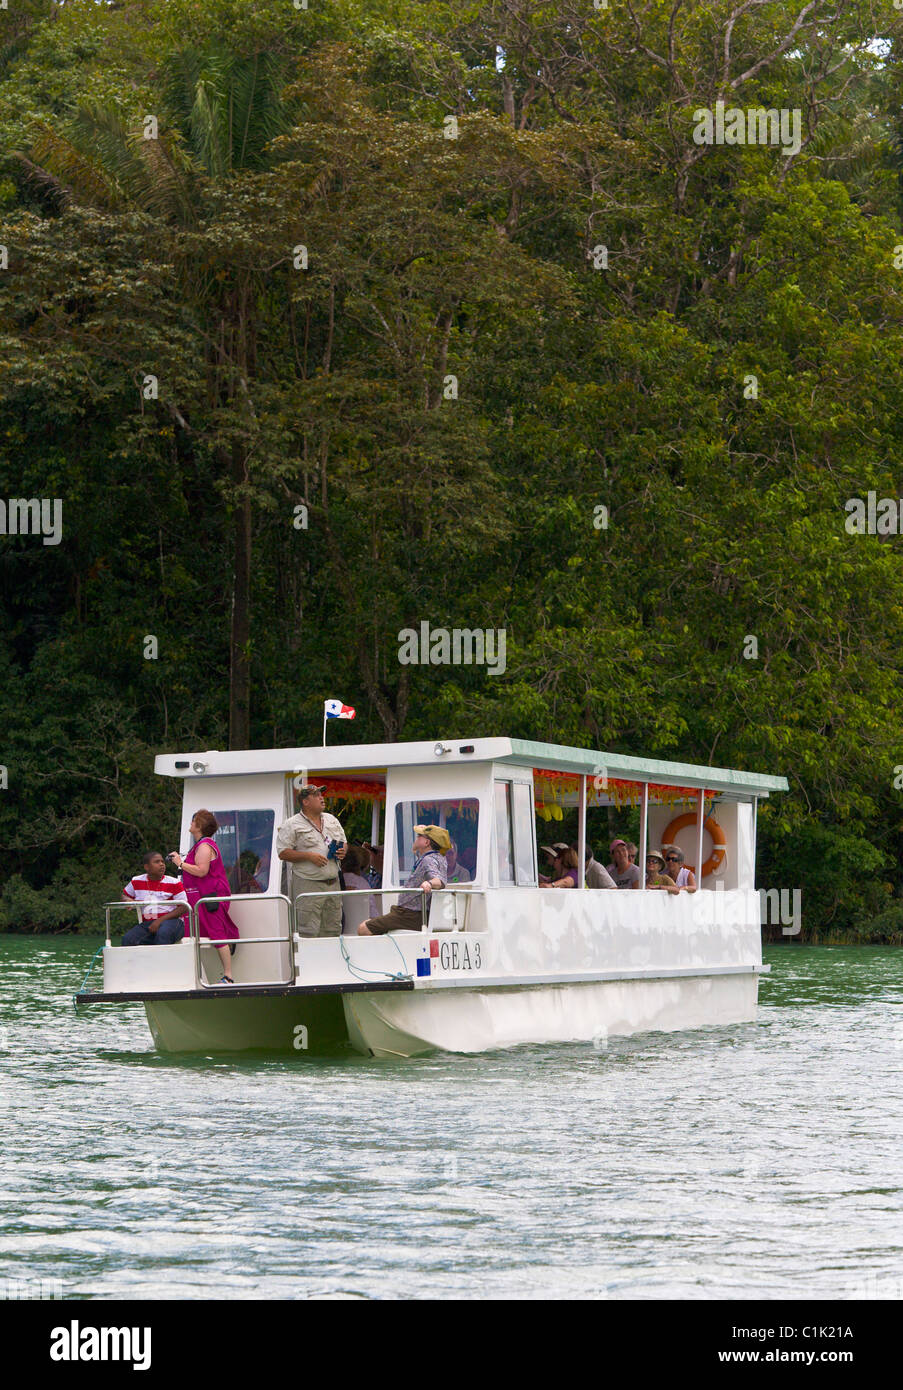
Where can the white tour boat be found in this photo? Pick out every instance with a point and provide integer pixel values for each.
(501, 960)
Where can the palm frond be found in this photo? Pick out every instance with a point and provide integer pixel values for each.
(228, 105)
(60, 158)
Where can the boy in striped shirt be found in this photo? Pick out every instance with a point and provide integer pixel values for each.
(162, 902)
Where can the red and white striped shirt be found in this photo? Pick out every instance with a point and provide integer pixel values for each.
(155, 895)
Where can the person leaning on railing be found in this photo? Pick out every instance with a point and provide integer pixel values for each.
(430, 871)
(655, 875)
(674, 863)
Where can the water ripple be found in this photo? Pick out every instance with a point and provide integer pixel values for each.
(738, 1162)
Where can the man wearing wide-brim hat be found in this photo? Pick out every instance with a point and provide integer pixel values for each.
(304, 842)
(431, 843)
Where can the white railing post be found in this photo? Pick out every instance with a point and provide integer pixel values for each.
(644, 832)
(700, 826)
(581, 835)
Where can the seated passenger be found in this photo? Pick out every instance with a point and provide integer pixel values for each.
(596, 875)
(655, 874)
(625, 874)
(431, 844)
(375, 876)
(354, 866)
(247, 869)
(563, 873)
(553, 852)
(375, 871)
(456, 870)
(262, 871)
(162, 901)
(674, 863)
(357, 909)
(468, 857)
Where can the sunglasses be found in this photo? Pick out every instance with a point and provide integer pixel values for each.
(672, 859)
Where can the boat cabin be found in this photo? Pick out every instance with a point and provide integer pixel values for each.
(490, 794)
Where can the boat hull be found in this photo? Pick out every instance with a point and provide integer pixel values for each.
(468, 1021)
(305, 1025)
(412, 1024)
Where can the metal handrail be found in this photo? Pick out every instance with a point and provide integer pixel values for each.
(245, 940)
(198, 940)
(338, 892)
(134, 906)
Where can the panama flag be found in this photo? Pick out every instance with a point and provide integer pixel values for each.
(334, 709)
(427, 953)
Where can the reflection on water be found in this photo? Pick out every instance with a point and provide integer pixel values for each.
(751, 1161)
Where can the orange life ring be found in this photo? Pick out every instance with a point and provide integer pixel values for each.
(719, 843)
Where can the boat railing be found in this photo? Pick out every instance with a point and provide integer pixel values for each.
(425, 896)
(335, 892)
(243, 941)
(108, 908)
(291, 937)
(466, 891)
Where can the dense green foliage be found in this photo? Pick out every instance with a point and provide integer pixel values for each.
(579, 386)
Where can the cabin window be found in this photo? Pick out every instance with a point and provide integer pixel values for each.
(504, 833)
(245, 841)
(459, 816)
(524, 832)
(514, 833)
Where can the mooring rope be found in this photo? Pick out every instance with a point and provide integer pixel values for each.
(87, 973)
(386, 975)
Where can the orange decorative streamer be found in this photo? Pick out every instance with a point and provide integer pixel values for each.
(351, 789)
(551, 788)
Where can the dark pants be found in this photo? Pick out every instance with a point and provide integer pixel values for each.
(397, 919)
(167, 934)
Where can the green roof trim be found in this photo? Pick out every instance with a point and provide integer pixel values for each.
(589, 761)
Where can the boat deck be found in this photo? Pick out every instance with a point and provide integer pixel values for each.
(244, 991)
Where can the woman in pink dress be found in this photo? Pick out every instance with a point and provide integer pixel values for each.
(203, 875)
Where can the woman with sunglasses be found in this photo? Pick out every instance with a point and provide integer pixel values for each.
(674, 864)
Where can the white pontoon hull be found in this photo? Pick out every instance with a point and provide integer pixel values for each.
(410, 1024)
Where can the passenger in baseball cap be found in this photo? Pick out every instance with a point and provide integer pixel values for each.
(625, 874)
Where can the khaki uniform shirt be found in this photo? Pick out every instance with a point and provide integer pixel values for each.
(300, 833)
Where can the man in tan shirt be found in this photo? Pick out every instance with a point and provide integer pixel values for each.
(303, 842)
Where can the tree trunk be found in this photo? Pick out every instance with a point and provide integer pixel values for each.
(240, 634)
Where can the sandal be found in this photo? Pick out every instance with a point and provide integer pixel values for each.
(226, 980)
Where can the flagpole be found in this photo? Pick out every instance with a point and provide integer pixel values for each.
(324, 723)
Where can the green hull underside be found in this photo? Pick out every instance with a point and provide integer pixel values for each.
(304, 1025)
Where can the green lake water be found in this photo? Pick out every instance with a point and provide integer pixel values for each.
(755, 1161)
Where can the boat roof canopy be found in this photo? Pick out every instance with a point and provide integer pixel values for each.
(377, 758)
